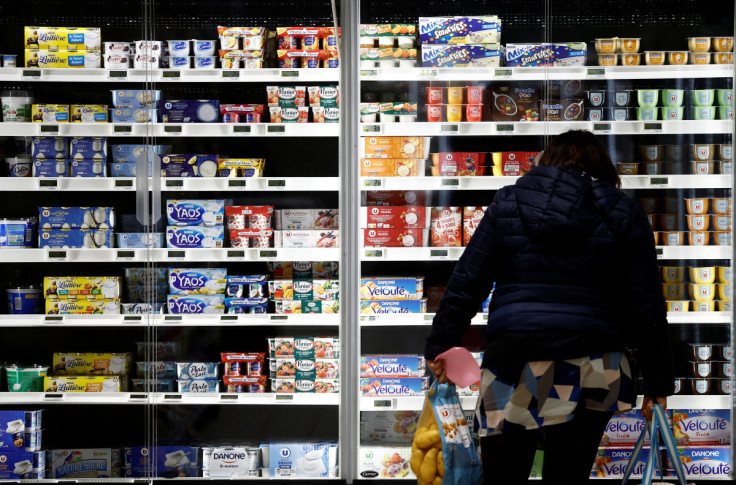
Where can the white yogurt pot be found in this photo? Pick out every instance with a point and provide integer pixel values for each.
(204, 62)
(180, 62)
(204, 48)
(117, 61)
(179, 48)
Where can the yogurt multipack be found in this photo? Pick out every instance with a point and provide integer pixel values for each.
(197, 281)
(189, 165)
(76, 238)
(80, 463)
(162, 461)
(460, 30)
(209, 212)
(83, 307)
(388, 426)
(81, 287)
(156, 370)
(83, 364)
(394, 386)
(88, 148)
(393, 306)
(85, 384)
(15, 426)
(197, 370)
(199, 385)
(195, 237)
(236, 462)
(392, 288)
(612, 463)
(62, 38)
(701, 427)
(392, 366)
(76, 218)
(135, 98)
(704, 461)
(384, 462)
(16, 465)
(287, 460)
(196, 304)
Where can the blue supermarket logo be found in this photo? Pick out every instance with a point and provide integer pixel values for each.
(167, 105)
(285, 453)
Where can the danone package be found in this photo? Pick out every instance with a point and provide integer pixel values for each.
(393, 306)
(701, 427)
(443, 422)
(386, 288)
(612, 462)
(84, 463)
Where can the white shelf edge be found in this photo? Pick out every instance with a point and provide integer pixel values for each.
(243, 399)
(163, 320)
(425, 319)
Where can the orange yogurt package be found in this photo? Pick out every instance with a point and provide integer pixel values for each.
(395, 238)
(446, 227)
(471, 219)
(395, 147)
(391, 167)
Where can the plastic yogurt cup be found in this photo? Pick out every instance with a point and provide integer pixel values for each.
(180, 62)
(204, 48)
(204, 62)
(10, 60)
(179, 48)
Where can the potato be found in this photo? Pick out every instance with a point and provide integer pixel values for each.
(428, 438)
(428, 470)
(416, 461)
(437, 480)
(440, 464)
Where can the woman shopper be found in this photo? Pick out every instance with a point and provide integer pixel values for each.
(577, 283)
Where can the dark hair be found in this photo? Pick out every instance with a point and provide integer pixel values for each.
(582, 151)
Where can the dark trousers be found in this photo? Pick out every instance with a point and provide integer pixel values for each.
(569, 451)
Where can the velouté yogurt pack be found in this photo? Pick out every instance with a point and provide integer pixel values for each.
(701, 427)
(192, 212)
(197, 281)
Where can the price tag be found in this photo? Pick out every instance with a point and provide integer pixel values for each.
(277, 184)
(176, 255)
(138, 397)
(449, 128)
(31, 74)
(241, 130)
(290, 74)
(438, 254)
(653, 127)
(125, 255)
(485, 317)
(49, 129)
(231, 75)
(596, 72)
(505, 128)
(172, 397)
(228, 318)
(268, 254)
(283, 397)
(367, 318)
(172, 318)
(375, 253)
(174, 184)
(132, 318)
(383, 403)
(118, 75)
(662, 181)
(371, 128)
(369, 72)
(53, 319)
(48, 184)
(373, 183)
(171, 75)
(276, 130)
(57, 255)
(236, 184)
(427, 73)
(278, 318)
(503, 72)
(660, 253)
(229, 398)
(53, 397)
(451, 183)
(601, 127)
(235, 254)
(124, 184)
(172, 130)
(122, 130)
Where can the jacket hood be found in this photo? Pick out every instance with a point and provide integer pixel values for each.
(557, 205)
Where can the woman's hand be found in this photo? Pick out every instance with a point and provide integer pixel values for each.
(438, 369)
(648, 403)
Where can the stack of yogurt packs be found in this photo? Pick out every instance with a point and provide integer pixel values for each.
(20, 445)
(196, 223)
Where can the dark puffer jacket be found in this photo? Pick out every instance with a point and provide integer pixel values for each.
(576, 274)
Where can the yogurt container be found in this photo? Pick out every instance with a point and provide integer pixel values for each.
(10, 60)
(16, 106)
(19, 166)
(677, 57)
(117, 61)
(204, 47)
(24, 301)
(183, 62)
(125, 48)
(25, 379)
(179, 48)
(16, 233)
(204, 62)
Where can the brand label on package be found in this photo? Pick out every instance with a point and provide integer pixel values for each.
(706, 462)
(209, 304)
(461, 55)
(194, 237)
(87, 463)
(389, 289)
(91, 364)
(83, 307)
(395, 386)
(202, 281)
(393, 306)
(195, 212)
(83, 384)
(81, 287)
(392, 366)
(612, 463)
(459, 30)
(701, 426)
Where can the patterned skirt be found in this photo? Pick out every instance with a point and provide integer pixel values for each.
(535, 394)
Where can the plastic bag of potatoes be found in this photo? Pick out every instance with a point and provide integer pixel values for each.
(442, 452)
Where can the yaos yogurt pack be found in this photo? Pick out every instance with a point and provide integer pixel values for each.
(197, 281)
(192, 212)
(195, 237)
(196, 304)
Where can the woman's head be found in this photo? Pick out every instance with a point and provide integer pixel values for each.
(581, 151)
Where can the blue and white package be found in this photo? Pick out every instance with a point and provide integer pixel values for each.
(460, 30)
(80, 463)
(189, 111)
(16, 233)
(162, 461)
(156, 369)
(250, 286)
(197, 281)
(196, 212)
(134, 115)
(49, 147)
(190, 371)
(141, 308)
(127, 240)
(12, 429)
(194, 237)
(701, 427)
(612, 462)
(76, 218)
(131, 153)
(461, 55)
(75, 238)
(22, 465)
(529, 55)
(246, 305)
(50, 168)
(88, 168)
(135, 98)
(196, 304)
(88, 148)
(288, 460)
(189, 165)
(199, 385)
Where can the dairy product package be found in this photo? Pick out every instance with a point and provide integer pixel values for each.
(471, 218)
(81, 364)
(415, 147)
(140, 308)
(324, 96)
(153, 385)
(33, 437)
(76, 218)
(248, 216)
(16, 465)
(304, 369)
(447, 227)
(701, 427)
(136, 98)
(88, 113)
(13, 426)
(17, 233)
(241, 167)
(83, 307)
(84, 384)
(189, 165)
(563, 110)
(306, 219)
(241, 384)
(50, 168)
(80, 463)
(462, 55)
(304, 347)
(139, 240)
(286, 96)
(393, 306)
(231, 462)
(156, 369)
(624, 429)
(394, 386)
(288, 460)
(144, 294)
(306, 239)
(388, 426)
(319, 269)
(142, 276)
(163, 461)
(306, 306)
(703, 461)
(250, 286)
(126, 169)
(132, 153)
(246, 305)
(62, 38)
(134, 115)
(395, 238)
(392, 366)
(386, 288)
(47, 59)
(75, 238)
(395, 217)
(87, 168)
(528, 55)
(197, 370)
(49, 147)
(202, 281)
(88, 148)
(194, 237)
(81, 287)
(305, 289)
(392, 167)
(384, 462)
(612, 463)
(195, 304)
(189, 111)
(50, 113)
(239, 364)
(199, 385)
(515, 103)
(460, 30)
